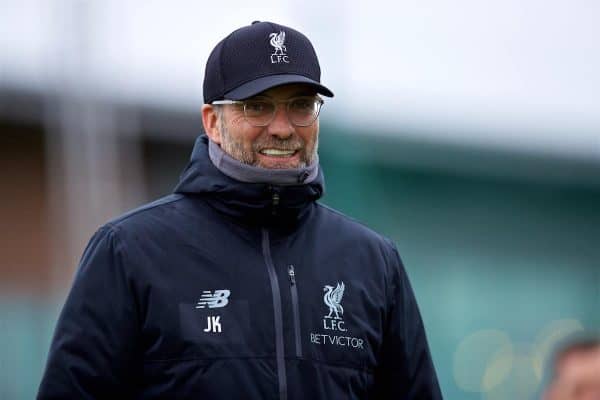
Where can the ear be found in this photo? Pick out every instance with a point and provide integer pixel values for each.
(210, 120)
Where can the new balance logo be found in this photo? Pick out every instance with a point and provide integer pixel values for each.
(216, 299)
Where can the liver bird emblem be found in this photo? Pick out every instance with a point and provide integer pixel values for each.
(333, 298)
(277, 41)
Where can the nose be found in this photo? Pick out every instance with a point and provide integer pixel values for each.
(281, 125)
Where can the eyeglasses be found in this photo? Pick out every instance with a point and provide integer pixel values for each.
(260, 111)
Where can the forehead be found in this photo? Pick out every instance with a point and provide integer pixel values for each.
(291, 90)
(578, 360)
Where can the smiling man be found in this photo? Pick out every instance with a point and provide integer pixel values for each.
(240, 284)
(276, 129)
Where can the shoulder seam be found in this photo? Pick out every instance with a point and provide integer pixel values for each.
(159, 202)
(341, 214)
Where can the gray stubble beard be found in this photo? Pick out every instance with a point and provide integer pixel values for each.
(236, 149)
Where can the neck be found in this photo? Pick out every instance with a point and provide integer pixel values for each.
(251, 174)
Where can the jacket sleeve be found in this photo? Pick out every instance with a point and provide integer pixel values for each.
(94, 347)
(406, 369)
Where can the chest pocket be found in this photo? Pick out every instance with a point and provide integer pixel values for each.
(342, 325)
(220, 331)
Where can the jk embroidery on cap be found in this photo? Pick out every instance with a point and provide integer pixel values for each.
(278, 43)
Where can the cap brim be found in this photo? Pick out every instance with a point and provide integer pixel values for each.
(259, 85)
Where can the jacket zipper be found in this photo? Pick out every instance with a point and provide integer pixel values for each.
(279, 354)
(295, 310)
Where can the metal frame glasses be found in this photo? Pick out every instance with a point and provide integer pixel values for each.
(260, 111)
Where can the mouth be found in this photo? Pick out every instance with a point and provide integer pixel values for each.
(277, 153)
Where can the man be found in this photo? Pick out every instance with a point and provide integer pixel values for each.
(576, 372)
(241, 285)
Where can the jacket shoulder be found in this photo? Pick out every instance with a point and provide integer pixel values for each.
(353, 227)
(139, 215)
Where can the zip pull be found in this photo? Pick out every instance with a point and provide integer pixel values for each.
(292, 274)
(274, 195)
(274, 199)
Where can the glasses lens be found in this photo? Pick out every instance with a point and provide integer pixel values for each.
(259, 112)
(303, 111)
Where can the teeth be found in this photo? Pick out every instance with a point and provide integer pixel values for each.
(277, 152)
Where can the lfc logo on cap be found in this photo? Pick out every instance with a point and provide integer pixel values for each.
(278, 43)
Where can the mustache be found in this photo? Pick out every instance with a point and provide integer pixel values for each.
(291, 144)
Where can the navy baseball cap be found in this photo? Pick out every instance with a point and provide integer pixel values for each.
(258, 57)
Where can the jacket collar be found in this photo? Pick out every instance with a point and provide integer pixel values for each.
(250, 174)
(263, 202)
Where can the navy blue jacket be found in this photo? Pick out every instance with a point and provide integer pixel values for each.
(228, 290)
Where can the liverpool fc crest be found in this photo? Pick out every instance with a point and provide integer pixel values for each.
(333, 298)
(277, 40)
